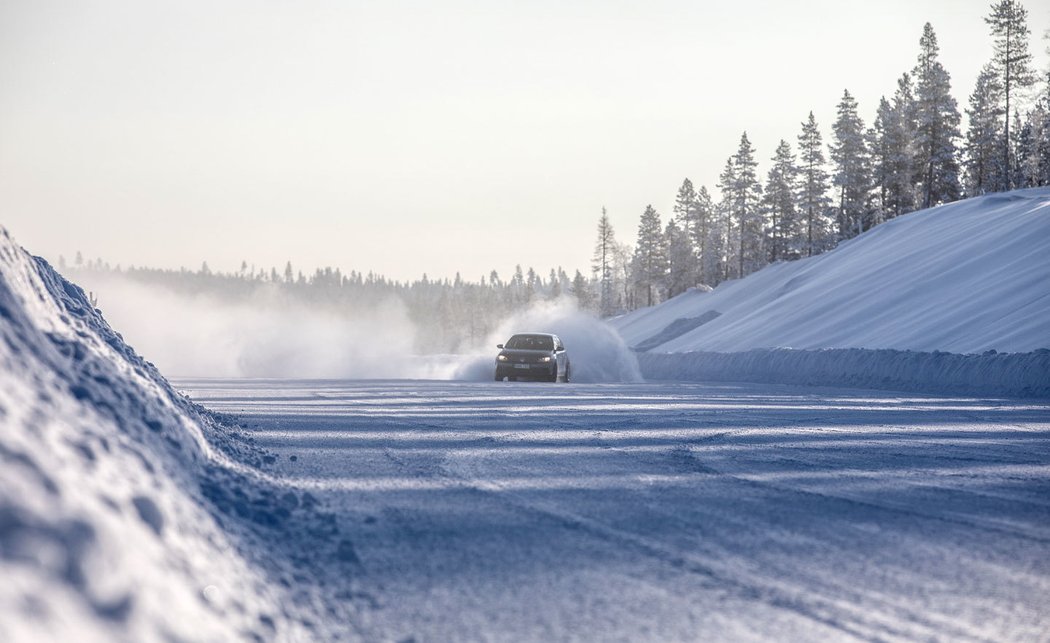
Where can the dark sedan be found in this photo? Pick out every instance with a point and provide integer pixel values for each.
(533, 356)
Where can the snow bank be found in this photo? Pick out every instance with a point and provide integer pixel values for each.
(966, 277)
(597, 353)
(1006, 374)
(126, 512)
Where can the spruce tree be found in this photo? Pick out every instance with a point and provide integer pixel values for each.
(880, 145)
(726, 215)
(649, 268)
(603, 264)
(850, 155)
(1012, 63)
(813, 201)
(581, 288)
(744, 200)
(703, 228)
(983, 159)
(780, 207)
(683, 206)
(937, 125)
(681, 261)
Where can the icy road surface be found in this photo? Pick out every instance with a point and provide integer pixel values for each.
(484, 511)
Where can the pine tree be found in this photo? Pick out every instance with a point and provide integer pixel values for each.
(742, 195)
(703, 229)
(681, 261)
(582, 290)
(726, 213)
(683, 206)
(603, 264)
(983, 161)
(1012, 63)
(779, 201)
(852, 170)
(904, 190)
(881, 146)
(1037, 158)
(937, 125)
(649, 267)
(813, 201)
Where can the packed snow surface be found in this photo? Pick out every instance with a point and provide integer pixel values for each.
(666, 512)
(966, 277)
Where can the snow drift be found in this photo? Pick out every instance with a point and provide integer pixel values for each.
(967, 277)
(127, 512)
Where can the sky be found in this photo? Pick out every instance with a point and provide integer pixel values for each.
(417, 137)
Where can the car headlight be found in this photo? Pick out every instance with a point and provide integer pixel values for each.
(545, 359)
(501, 358)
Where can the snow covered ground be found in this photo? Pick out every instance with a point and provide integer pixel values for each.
(966, 277)
(485, 511)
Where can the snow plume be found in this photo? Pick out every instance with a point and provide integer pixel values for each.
(267, 334)
(597, 352)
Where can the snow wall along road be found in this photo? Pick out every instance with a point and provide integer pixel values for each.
(950, 299)
(127, 512)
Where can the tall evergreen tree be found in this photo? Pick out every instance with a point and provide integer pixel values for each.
(1012, 63)
(779, 200)
(681, 260)
(683, 206)
(849, 153)
(937, 125)
(649, 267)
(983, 160)
(603, 264)
(581, 288)
(881, 147)
(745, 199)
(813, 201)
(704, 232)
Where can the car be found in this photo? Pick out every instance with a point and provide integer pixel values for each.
(533, 356)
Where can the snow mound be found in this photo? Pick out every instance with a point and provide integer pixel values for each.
(127, 512)
(966, 277)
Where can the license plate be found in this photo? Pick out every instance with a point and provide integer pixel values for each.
(521, 366)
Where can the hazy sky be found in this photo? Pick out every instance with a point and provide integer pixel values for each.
(404, 137)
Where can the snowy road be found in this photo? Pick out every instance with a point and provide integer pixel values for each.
(483, 511)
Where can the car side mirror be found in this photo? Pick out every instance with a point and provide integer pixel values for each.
(499, 345)
(559, 349)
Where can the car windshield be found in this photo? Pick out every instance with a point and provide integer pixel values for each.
(532, 342)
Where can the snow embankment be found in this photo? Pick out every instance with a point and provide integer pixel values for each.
(1006, 374)
(126, 512)
(963, 278)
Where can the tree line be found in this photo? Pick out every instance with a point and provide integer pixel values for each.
(449, 315)
(912, 156)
